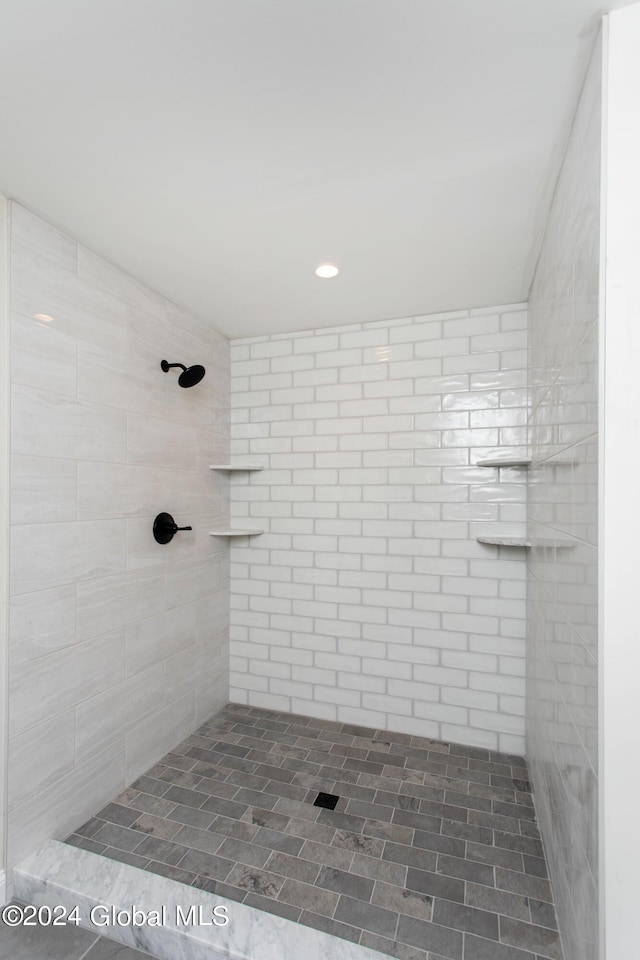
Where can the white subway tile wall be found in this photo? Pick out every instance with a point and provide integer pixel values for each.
(367, 599)
(562, 648)
(119, 646)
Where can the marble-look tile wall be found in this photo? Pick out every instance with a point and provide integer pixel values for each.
(368, 598)
(119, 646)
(562, 659)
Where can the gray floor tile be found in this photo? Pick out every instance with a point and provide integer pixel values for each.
(150, 785)
(498, 901)
(540, 940)
(439, 843)
(395, 873)
(309, 897)
(293, 867)
(390, 831)
(404, 901)
(239, 829)
(275, 840)
(405, 864)
(402, 951)
(155, 826)
(497, 856)
(520, 844)
(327, 856)
(164, 850)
(254, 880)
(411, 856)
(246, 853)
(358, 843)
(341, 881)
(220, 888)
(465, 869)
(203, 840)
(267, 818)
(86, 843)
(125, 857)
(91, 827)
(192, 816)
(147, 803)
(172, 872)
(205, 864)
(308, 830)
(422, 881)
(116, 813)
(521, 883)
(367, 916)
(468, 919)
(477, 949)
(543, 914)
(430, 936)
(121, 837)
(273, 906)
(420, 821)
(334, 927)
(190, 798)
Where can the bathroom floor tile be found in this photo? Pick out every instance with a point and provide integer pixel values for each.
(431, 853)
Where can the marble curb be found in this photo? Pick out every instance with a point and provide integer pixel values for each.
(58, 873)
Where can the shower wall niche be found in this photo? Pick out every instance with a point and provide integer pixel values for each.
(119, 646)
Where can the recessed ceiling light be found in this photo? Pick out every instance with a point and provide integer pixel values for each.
(43, 317)
(326, 271)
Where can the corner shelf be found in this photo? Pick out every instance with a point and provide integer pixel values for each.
(503, 462)
(235, 533)
(235, 468)
(522, 542)
(505, 541)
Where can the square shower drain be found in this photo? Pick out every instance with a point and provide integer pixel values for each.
(327, 800)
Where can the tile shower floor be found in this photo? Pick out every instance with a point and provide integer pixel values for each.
(432, 850)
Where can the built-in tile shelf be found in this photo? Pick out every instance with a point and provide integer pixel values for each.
(504, 462)
(236, 467)
(505, 541)
(523, 542)
(235, 533)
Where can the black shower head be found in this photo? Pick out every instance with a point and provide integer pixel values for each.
(189, 376)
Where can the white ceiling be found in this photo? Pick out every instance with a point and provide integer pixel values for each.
(220, 149)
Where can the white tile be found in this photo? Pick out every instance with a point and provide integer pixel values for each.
(43, 490)
(155, 442)
(156, 735)
(110, 379)
(51, 554)
(377, 486)
(42, 622)
(44, 355)
(107, 490)
(160, 636)
(43, 688)
(40, 756)
(50, 425)
(32, 233)
(112, 602)
(58, 809)
(79, 583)
(104, 719)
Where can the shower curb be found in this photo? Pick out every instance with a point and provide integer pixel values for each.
(58, 873)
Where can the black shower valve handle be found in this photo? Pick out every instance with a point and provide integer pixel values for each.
(164, 528)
